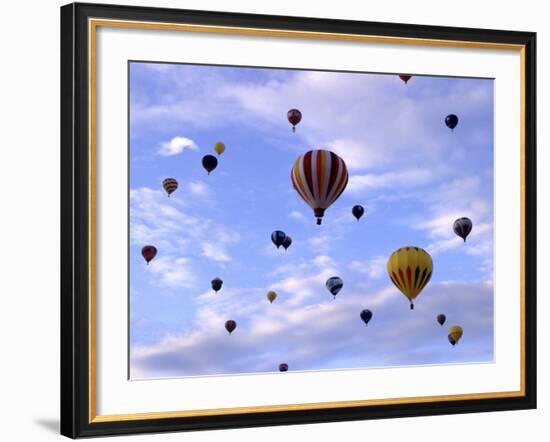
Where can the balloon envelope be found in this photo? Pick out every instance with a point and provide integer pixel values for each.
(216, 284)
(410, 269)
(405, 78)
(209, 162)
(278, 238)
(441, 319)
(287, 242)
(283, 367)
(358, 211)
(169, 185)
(451, 121)
(148, 253)
(230, 325)
(334, 285)
(319, 177)
(366, 316)
(462, 227)
(294, 116)
(455, 333)
(219, 147)
(271, 296)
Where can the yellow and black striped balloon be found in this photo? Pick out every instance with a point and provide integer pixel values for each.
(410, 269)
(170, 185)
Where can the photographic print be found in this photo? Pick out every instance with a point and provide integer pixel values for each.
(287, 220)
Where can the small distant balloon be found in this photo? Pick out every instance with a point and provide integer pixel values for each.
(278, 238)
(271, 296)
(219, 147)
(462, 227)
(148, 253)
(405, 78)
(230, 325)
(287, 242)
(334, 285)
(455, 333)
(366, 316)
(216, 284)
(441, 319)
(294, 116)
(209, 162)
(358, 211)
(170, 185)
(283, 367)
(451, 121)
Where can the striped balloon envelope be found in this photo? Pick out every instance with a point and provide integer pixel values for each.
(319, 177)
(170, 185)
(410, 269)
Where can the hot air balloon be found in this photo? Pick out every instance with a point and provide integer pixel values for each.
(451, 121)
(287, 242)
(148, 252)
(209, 162)
(294, 116)
(366, 316)
(462, 227)
(278, 237)
(283, 367)
(219, 147)
(230, 325)
(170, 185)
(319, 177)
(271, 296)
(410, 269)
(358, 211)
(216, 284)
(405, 78)
(455, 333)
(441, 319)
(334, 285)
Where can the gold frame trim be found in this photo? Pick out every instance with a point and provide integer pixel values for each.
(93, 24)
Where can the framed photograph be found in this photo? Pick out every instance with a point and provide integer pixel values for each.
(274, 220)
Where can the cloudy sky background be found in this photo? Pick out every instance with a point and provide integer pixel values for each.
(413, 175)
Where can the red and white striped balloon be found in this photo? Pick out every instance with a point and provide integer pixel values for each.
(319, 177)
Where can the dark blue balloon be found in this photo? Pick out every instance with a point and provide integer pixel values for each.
(441, 318)
(451, 340)
(366, 316)
(283, 367)
(209, 162)
(278, 237)
(287, 242)
(451, 121)
(462, 227)
(358, 211)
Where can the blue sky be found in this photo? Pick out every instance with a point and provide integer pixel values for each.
(413, 175)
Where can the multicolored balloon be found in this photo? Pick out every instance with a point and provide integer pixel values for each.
(230, 325)
(334, 285)
(455, 333)
(271, 296)
(294, 116)
(410, 269)
(319, 177)
(451, 121)
(219, 147)
(216, 284)
(462, 227)
(287, 242)
(366, 316)
(209, 162)
(441, 318)
(358, 211)
(148, 253)
(170, 185)
(278, 238)
(405, 78)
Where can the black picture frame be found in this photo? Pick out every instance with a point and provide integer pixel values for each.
(75, 219)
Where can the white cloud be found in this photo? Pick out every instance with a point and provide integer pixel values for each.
(408, 178)
(198, 188)
(374, 268)
(176, 146)
(298, 216)
(215, 252)
(174, 272)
